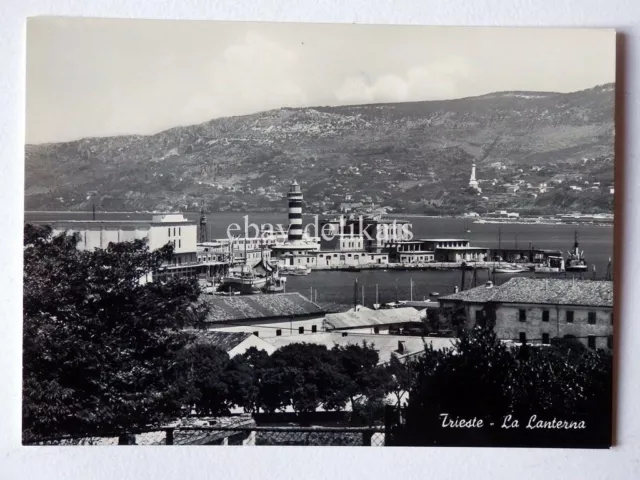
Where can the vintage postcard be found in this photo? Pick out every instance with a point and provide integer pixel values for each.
(317, 234)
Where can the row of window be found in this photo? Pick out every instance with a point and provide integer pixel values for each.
(591, 340)
(569, 316)
(356, 256)
(314, 329)
(174, 231)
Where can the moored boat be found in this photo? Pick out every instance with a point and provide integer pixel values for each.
(509, 269)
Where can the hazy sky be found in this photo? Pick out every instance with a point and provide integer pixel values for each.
(90, 77)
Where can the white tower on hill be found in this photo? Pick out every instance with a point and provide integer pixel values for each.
(473, 183)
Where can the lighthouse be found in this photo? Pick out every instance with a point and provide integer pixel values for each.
(295, 212)
(473, 183)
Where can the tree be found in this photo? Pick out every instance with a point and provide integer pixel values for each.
(399, 373)
(98, 345)
(364, 381)
(202, 375)
(469, 380)
(244, 376)
(304, 376)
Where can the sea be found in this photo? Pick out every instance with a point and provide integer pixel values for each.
(339, 287)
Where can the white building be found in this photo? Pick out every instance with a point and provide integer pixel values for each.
(161, 230)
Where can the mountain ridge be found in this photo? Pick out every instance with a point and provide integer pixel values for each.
(413, 153)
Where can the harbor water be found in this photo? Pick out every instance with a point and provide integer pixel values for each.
(338, 287)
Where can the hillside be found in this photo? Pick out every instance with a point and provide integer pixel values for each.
(408, 156)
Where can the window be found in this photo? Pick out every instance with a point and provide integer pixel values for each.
(478, 315)
(610, 341)
(174, 231)
(376, 329)
(301, 330)
(314, 328)
(611, 315)
(179, 231)
(569, 316)
(545, 339)
(522, 315)
(591, 341)
(592, 318)
(523, 337)
(179, 243)
(545, 315)
(169, 231)
(278, 332)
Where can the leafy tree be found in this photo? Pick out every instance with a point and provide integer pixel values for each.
(364, 380)
(453, 318)
(202, 375)
(400, 378)
(245, 391)
(304, 376)
(471, 379)
(98, 344)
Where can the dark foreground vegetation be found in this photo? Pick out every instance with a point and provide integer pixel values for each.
(107, 354)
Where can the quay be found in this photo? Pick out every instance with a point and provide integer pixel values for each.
(417, 266)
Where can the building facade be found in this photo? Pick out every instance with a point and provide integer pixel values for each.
(536, 310)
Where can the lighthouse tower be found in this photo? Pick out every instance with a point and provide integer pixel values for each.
(295, 212)
(473, 183)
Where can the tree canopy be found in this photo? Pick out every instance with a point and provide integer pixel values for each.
(99, 343)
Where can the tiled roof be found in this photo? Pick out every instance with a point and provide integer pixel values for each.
(385, 344)
(249, 307)
(366, 317)
(224, 340)
(593, 293)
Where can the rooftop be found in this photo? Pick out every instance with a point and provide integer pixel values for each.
(290, 305)
(224, 340)
(592, 293)
(366, 317)
(385, 344)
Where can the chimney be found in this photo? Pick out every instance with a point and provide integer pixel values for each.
(455, 289)
(401, 346)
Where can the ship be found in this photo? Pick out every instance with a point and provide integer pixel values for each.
(243, 282)
(576, 261)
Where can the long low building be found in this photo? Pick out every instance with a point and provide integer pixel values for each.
(264, 315)
(367, 320)
(536, 310)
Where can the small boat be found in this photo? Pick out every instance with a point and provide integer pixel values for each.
(552, 264)
(275, 284)
(295, 270)
(509, 269)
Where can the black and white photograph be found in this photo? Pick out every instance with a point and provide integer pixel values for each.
(287, 234)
